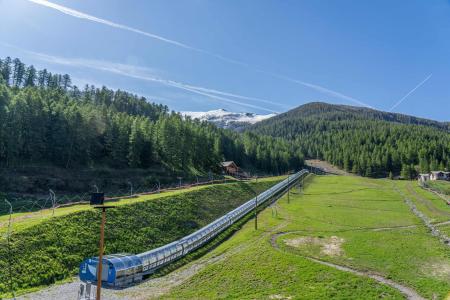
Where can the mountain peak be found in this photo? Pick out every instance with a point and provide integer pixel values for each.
(226, 119)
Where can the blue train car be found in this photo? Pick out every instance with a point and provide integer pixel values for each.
(121, 270)
(118, 270)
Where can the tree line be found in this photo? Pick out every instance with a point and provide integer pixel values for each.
(362, 141)
(45, 119)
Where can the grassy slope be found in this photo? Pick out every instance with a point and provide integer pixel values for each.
(28, 219)
(44, 251)
(347, 207)
(430, 204)
(440, 186)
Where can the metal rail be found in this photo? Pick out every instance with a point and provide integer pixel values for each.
(123, 270)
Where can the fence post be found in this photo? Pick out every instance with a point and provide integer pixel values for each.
(53, 199)
(131, 188)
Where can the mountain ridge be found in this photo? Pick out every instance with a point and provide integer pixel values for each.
(335, 112)
(364, 141)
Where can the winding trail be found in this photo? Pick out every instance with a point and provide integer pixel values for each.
(407, 291)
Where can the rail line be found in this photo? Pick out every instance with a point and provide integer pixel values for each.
(121, 270)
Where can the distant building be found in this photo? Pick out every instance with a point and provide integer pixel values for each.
(424, 177)
(439, 175)
(230, 167)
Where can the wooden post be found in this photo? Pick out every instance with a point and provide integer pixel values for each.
(256, 213)
(289, 188)
(100, 254)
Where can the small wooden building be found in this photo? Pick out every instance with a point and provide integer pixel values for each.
(229, 167)
(439, 175)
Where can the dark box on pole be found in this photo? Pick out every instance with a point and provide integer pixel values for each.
(97, 198)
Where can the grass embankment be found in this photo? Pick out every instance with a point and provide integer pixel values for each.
(440, 186)
(428, 203)
(45, 251)
(27, 219)
(350, 221)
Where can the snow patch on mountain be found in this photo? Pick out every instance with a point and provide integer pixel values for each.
(226, 119)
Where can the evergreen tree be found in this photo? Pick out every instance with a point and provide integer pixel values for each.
(6, 70)
(30, 76)
(18, 72)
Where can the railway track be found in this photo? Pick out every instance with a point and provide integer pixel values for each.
(122, 270)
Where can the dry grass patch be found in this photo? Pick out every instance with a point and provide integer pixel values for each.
(330, 246)
(438, 269)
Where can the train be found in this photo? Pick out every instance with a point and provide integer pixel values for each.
(122, 270)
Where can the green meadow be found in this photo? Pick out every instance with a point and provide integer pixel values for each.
(359, 223)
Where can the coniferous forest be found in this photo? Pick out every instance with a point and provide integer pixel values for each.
(45, 120)
(363, 141)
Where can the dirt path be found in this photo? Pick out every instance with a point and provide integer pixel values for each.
(325, 166)
(408, 292)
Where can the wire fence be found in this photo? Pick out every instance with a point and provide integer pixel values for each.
(31, 203)
(53, 200)
(13, 208)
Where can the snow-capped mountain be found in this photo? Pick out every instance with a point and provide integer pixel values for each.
(226, 119)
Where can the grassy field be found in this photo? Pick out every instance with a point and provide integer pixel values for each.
(48, 249)
(356, 222)
(440, 186)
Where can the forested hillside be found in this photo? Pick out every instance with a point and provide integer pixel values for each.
(363, 141)
(45, 120)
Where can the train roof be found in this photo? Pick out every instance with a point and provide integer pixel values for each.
(119, 261)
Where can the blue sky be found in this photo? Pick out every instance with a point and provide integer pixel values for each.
(254, 56)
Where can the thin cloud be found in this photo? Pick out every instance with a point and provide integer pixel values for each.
(141, 73)
(323, 90)
(81, 15)
(410, 92)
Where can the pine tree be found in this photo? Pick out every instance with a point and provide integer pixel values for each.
(30, 76)
(6, 70)
(391, 175)
(135, 146)
(18, 72)
(406, 171)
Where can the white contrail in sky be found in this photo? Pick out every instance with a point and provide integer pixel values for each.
(81, 15)
(142, 74)
(410, 92)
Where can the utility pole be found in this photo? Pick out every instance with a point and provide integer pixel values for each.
(98, 199)
(289, 188)
(256, 212)
(9, 249)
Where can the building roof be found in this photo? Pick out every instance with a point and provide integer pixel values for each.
(228, 163)
(436, 172)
